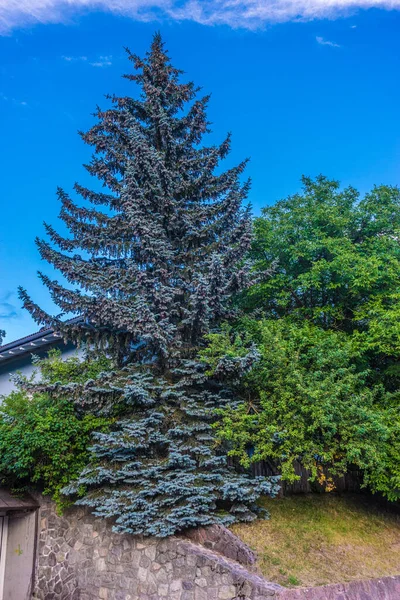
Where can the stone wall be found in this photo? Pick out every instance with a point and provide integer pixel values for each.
(80, 558)
(387, 588)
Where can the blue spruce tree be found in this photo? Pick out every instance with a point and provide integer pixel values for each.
(162, 253)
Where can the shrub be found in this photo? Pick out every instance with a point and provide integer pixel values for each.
(44, 441)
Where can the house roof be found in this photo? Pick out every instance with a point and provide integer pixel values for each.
(31, 343)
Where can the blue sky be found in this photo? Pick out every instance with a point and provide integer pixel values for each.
(305, 86)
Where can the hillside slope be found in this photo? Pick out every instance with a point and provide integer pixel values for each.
(318, 539)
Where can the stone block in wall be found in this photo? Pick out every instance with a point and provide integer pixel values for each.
(221, 540)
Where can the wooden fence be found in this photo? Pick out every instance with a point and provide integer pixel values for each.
(350, 482)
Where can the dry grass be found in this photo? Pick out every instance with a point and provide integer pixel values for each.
(323, 538)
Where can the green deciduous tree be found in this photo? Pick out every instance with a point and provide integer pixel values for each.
(336, 260)
(326, 325)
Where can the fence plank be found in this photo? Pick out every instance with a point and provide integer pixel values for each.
(350, 482)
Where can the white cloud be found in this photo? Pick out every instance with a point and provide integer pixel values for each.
(251, 14)
(74, 58)
(8, 309)
(12, 100)
(323, 42)
(102, 61)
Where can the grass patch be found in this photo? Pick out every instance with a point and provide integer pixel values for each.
(318, 539)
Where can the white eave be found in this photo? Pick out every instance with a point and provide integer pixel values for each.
(27, 345)
(32, 343)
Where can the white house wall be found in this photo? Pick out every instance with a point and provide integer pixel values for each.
(23, 364)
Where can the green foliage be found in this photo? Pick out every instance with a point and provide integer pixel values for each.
(54, 370)
(226, 345)
(325, 318)
(306, 398)
(336, 261)
(43, 440)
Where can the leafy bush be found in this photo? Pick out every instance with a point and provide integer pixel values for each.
(43, 440)
(306, 398)
(53, 369)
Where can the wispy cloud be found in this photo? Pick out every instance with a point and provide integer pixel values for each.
(102, 61)
(74, 58)
(8, 310)
(323, 42)
(6, 98)
(251, 14)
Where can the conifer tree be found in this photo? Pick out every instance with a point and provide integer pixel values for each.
(154, 261)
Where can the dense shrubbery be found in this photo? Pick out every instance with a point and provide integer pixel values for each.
(326, 326)
(306, 398)
(44, 441)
